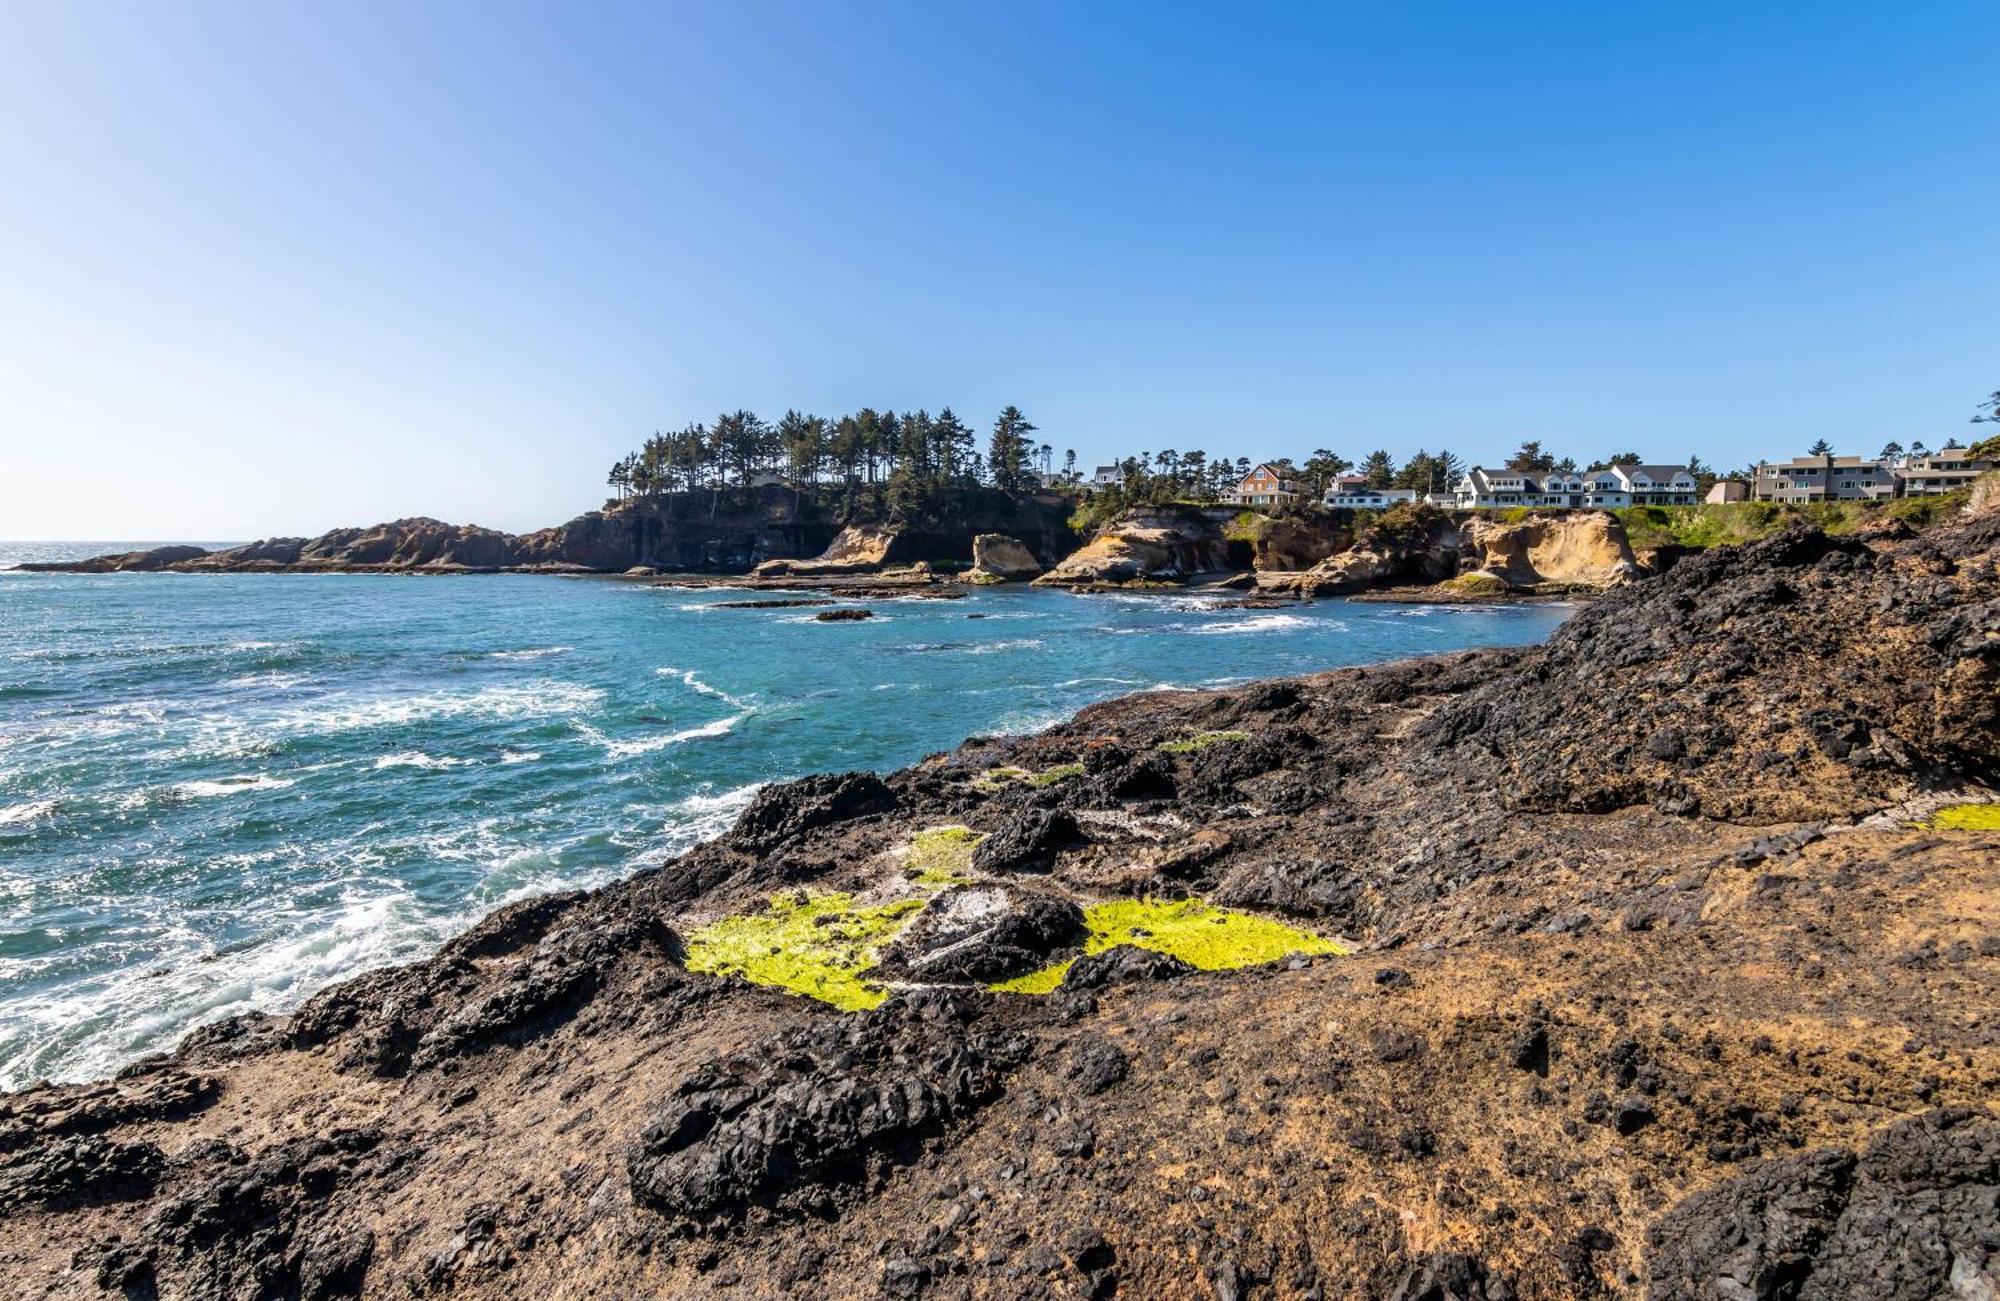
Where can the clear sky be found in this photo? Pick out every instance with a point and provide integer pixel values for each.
(276, 267)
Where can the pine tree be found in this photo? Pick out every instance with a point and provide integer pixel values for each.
(1007, 453)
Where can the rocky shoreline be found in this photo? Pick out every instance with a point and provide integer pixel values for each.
(1659, 960)
(1436, 555)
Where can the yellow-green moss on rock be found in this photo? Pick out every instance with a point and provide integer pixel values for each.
(942, 856)
(1199, 934)
(1201, 741)
(994, 778)
(1968, 817)
(819, 945)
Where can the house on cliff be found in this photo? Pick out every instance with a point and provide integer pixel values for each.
(1270, 484)
(1614, 486)
(1354, 492)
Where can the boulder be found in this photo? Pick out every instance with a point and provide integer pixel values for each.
(997, 558)
(984, 933)
(1149, 544)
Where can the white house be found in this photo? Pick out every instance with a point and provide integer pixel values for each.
(1352, 492)
(1618, 485)
(1106, 476)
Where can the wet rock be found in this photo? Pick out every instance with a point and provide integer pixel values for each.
(984, 933)
(844, 615)
(803, 1120)
(1912, 1216)
(1027, 842)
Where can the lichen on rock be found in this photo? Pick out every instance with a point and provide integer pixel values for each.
(819, 945)
(1199, 934)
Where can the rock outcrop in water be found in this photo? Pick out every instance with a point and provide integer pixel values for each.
(1668, 978)
(727, 531)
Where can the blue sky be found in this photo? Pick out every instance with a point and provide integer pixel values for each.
(279, 267)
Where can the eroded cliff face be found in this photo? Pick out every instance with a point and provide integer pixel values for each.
(1152, 544)
(1584, 549)
(1671, 972)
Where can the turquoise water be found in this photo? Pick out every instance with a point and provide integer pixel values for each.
(221, 793)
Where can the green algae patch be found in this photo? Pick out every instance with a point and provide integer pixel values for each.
(818, 945)
(1203, 936)
(1050, 776)
(1967, 817)
(1201, 741)
(942, 856)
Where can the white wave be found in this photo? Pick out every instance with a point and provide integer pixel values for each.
(1083, 682)
(20, 815)
(1257, 623)
(519, 756)
(418, 759)
(249, 732)
(232, 786)
(1006, 644)
(693, 683)
(532, 653)
(615, 750)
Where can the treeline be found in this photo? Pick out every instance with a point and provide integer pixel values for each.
(1170, 476)
(906, 456)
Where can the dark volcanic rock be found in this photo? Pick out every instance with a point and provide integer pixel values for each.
(802, 1120)
(984, 933)
(1124, 964)
(843, 616)
(1915, 1216)
(265, 1227)
(1446, 1276)
(1709, 685)
(1027, 842)
(68, 1172)
(781, 813)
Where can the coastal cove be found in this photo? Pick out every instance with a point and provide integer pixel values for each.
(220, 793)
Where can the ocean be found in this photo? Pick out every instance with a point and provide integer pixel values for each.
(220, 793)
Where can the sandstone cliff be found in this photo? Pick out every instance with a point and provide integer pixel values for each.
(997, 558)
(1573, 549)
(1152, 544)
(1670, 977)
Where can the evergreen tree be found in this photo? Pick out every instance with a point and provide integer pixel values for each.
(1007, 453)
(1531, 459)
(1379, 468)
(1820, 447)
(952, 440)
